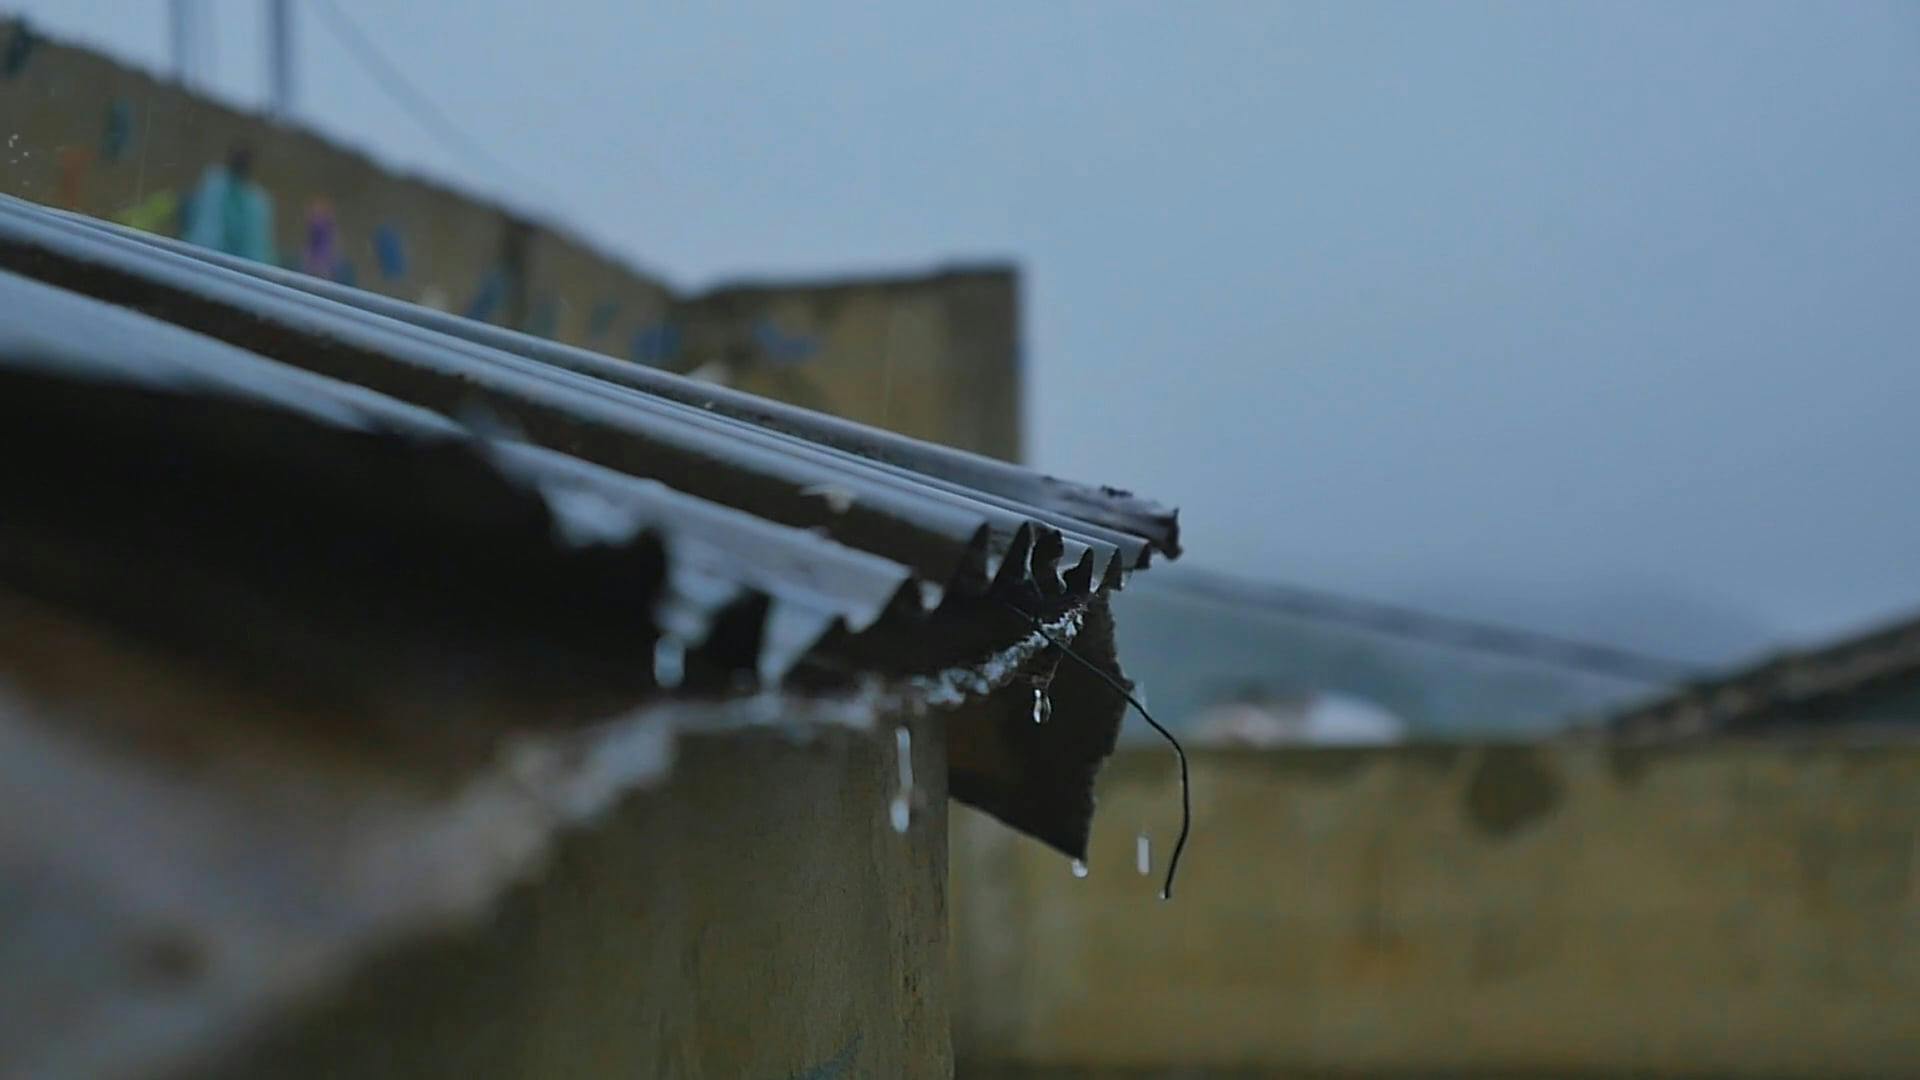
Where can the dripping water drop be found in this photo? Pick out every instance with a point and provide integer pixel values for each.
(1079, 868)
(669, 662)
(1143, 853)
(900, 811)
(903, 753)
(1042, 706)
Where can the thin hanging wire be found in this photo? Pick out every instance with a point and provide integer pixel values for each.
(1186, 787)
(402, 90)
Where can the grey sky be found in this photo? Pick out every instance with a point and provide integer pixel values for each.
(1495, 304)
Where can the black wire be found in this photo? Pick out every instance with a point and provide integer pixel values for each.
(402, 90)
(1186, 786)
(1443, 630)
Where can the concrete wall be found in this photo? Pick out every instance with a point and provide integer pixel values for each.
(1724, 909)
(202, 875)
(757, 916)
(58, 108)
(933, 355)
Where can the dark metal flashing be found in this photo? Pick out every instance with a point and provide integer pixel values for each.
(1038, 777)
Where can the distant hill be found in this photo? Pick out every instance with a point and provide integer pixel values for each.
(1644, 612)
(1190, 652)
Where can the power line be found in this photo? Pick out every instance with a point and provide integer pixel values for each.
(402, 90)
(280, 59)
(1314, 604)
(1392, 620)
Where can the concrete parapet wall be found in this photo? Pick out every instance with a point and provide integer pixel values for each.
(1723, 909)
(934, 355)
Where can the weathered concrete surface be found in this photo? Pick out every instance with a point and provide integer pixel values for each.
(935, 356)
(57, 109)
(199, 878)
(755, 917)
(1725, 909)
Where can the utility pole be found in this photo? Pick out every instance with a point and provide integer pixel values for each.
(180, 39)
(280, 59)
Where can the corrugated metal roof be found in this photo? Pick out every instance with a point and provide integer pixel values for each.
(194, 411)
(873, 522)
(1868, 681)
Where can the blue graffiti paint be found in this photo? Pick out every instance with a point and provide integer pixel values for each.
(118, 136)
(390, 250)
(783, 348)
(655, 344)
(19, 49)
(600, 320)
(545, 318)
(839, 1065)
(491, 294)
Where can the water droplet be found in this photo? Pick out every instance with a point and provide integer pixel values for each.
(838, 499)
(1143, 854)
(903, 753)
(930, 595)
(1042, 706)
(1165, 895)
(900, 811)
(1079, 869)
(669, 662)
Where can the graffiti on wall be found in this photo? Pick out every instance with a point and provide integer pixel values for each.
(782, 348)
(157, 213)
(655, 344)
(600, 319)
(229, 211)
(390, 251)
(116, 136)
(545, 318)
(834, 1068)
(18, 51)
(489, 297)
(320, 254)
(73, 164)
(232, 203)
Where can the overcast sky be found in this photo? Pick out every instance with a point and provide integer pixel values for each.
(1509, 307)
